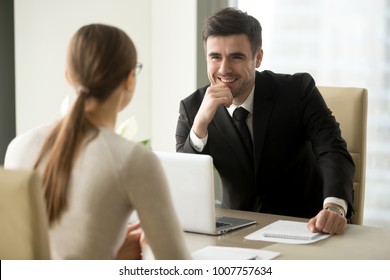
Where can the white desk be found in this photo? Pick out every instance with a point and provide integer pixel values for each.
(357, 242)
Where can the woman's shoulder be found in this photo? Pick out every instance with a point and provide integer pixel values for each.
(121, 148)
(116, 142)
(32, 136)
(37, 131)
(25, 146)
(131, 161)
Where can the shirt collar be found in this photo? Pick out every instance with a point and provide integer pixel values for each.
(247, 104)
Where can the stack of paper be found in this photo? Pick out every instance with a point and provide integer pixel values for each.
(233, 253)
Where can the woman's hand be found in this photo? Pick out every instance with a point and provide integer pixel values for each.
(131, 248)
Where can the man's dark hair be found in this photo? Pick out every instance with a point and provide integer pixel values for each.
(231, 21)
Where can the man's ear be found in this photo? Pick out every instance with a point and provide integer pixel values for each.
(259, 57)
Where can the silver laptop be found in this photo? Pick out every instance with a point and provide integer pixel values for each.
(191, 182)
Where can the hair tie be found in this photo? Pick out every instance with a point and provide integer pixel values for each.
(83, 90)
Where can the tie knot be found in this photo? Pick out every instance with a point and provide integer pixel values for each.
(240, 114)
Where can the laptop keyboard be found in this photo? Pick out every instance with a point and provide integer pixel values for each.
(220, 224)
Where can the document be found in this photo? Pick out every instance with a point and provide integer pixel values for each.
(290, 232)
(233, 253)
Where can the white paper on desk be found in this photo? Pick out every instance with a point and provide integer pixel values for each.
(290, 232)
(233, 253)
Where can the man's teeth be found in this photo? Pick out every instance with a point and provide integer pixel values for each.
(227, 80)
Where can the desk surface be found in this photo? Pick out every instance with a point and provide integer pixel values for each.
(356, 242)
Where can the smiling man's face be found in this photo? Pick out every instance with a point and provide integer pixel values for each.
(230, 61)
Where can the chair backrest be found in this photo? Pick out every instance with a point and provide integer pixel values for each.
(349, 106)
(23, 218)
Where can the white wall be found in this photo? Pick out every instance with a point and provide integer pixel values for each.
(174, 66)
(163, 32)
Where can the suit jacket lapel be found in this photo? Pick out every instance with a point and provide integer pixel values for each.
(262, 108)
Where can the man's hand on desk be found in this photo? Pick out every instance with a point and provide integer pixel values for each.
(131, 248)
(328, 221)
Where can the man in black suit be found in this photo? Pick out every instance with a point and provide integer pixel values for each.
(296, 162)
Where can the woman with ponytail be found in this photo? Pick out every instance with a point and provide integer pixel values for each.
(93, 179)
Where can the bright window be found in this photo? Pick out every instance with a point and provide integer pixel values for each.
(341, 43)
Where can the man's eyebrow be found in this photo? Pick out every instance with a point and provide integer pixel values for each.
(237, 54)
(213, 54)
(234, 54)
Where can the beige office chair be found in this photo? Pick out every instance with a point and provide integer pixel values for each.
(349, 106)
(23, 219)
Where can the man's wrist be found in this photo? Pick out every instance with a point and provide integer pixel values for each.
(337, 202)
(196, 143)
(199, 128)
(335, 208)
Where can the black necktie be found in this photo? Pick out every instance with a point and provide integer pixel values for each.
(239, 118)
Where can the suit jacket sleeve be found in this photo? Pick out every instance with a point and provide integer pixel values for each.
(187, 113)
(330, 149)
